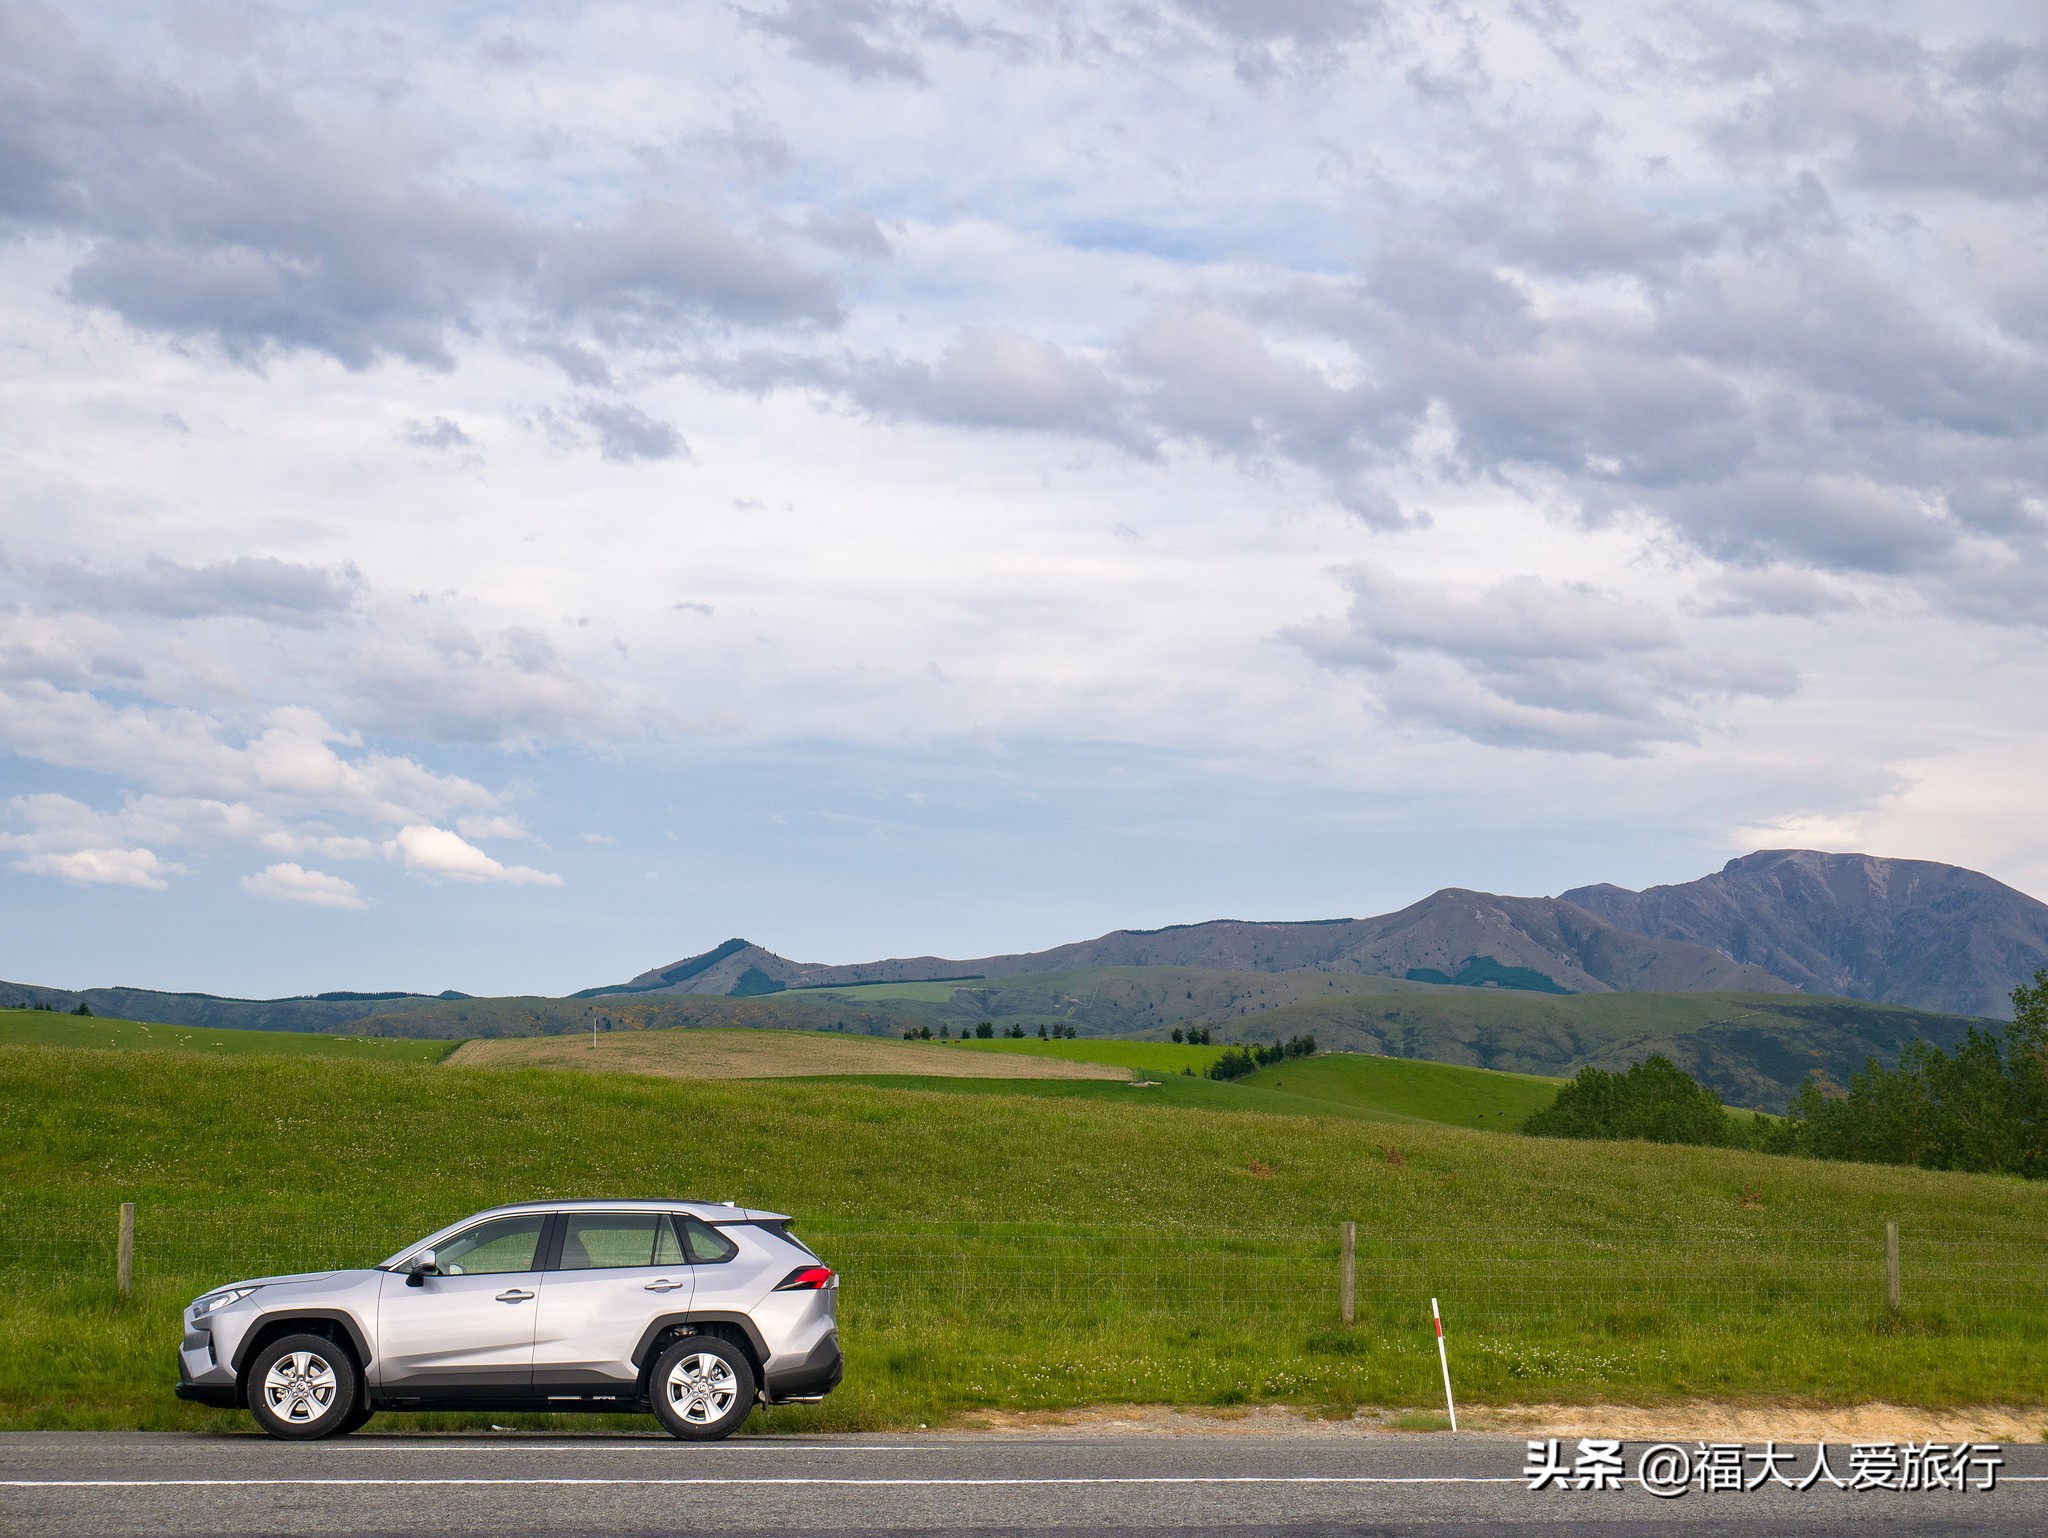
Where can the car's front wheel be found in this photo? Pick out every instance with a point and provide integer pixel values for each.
(701, 1388)
(302, 1387)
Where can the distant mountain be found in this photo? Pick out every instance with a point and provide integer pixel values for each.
(1536, 943)
(1906, 932)
(307, 1012)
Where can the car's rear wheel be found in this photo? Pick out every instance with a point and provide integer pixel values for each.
(701, 1388)
(302, 1387)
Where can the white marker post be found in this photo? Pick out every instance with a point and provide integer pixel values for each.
(1444, 1357)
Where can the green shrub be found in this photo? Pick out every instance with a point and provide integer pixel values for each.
(1656, 1100)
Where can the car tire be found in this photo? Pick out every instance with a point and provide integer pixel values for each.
(302, 1387)
(701, 1388)
(357, 1419)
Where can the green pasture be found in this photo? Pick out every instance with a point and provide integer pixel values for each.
(1440, 1092)
(45, 1028)
(1153, 1057)
(1337, 1082)
(1040, 1249)
(1180, 1091)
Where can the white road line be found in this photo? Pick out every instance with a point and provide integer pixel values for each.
(1108, 1479)
(672, 1448)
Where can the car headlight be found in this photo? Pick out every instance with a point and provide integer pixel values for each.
(215, 1301)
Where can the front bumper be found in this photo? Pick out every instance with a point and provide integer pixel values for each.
(203, 1377)
(221, 1396)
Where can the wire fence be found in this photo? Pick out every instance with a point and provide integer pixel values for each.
(1651, 1277)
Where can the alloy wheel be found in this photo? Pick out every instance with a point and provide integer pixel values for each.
(299, 1388)
(701, 1388)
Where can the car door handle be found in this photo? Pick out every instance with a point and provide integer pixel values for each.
(514, 1295)
(664, 1285)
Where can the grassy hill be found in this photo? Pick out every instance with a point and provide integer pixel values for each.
(1439, 1092)
(1380, 1086)
(36, 1027)
(1754, 1049)
(1109, 1001)
(1071, 1244)
(716, 1054)
(1387, 1091)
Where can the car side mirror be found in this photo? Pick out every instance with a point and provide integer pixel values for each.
(421, 1268)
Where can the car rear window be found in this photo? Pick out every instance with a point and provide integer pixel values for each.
(704, 1244)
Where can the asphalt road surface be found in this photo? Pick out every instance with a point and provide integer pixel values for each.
(1243, 1486)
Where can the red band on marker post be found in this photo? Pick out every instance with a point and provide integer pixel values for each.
(1443, 1357)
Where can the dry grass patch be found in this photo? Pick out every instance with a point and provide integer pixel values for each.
(713, 1054)
(1706, 1420)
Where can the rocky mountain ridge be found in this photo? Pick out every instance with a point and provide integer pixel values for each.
(1911, 932)
(1908, 932)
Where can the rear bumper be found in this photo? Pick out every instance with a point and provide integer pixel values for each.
(220, 1395)
(811, 1378)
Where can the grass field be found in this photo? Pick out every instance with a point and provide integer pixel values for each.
(42, 1028)
(1180, 1091)
(1441, 1092)
(746, 1054)
(1355, 1081)
(1032, 1246)
(1153, 1057)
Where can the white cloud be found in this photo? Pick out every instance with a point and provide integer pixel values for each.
(436, 852)
(1526, 663)
(291, 883)
(139, 868)
(290, 766)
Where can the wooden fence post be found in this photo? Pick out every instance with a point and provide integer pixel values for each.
(1891, 1266)
(1347, 1272)
(124, 1260)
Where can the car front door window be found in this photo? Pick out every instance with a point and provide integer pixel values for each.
(490, 1249)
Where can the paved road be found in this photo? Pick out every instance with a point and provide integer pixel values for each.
(1240, 1486)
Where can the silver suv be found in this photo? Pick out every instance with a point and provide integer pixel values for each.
(691, 1310)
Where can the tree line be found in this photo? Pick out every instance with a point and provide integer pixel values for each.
(1981, 1108)
(1236, 1062)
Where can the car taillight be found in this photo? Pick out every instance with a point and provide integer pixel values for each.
(807, 1279)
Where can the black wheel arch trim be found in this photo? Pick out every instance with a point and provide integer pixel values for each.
(642, 1353)
(264, 1330)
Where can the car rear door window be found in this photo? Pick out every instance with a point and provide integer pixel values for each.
(704, 1244)
(594, 1241)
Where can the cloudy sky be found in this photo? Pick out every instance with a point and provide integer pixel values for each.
(501, 497)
